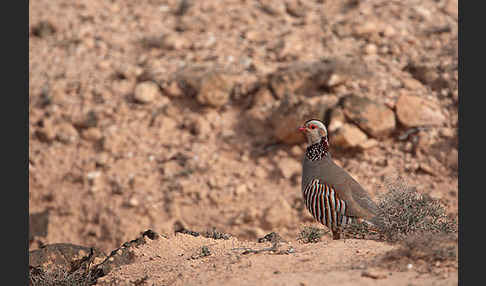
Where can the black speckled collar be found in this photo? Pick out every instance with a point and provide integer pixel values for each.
(318, 151)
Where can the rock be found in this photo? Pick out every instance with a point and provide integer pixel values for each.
(92, 134)
(227, 134)
(289, 167)
(337, 120)
(112, 142)
(451, 8)
(173, 89)
(309, 78)
(278, 214)
(43, 29)
(172, 168)
(175, 42)
(102, 159)
(90, 119)
(424, 73)
(365, 29)
(201, 127)
(448, 132)
(47, 132)
(370, 49)
(95, 181)
(274, 8)
(246, 84)
(256, 36)
(374, 118)
(286, 81)
(426, 167)
(291, 48)
(384, 50)
(374, 274)
(260, 172)
(295, 8)
(210, 86)
(262, 98)
(38, 224)
(133, 202)
(128, 71)
(389, 31)
(348, 136)
(146, 92)
(58, 92)
(123, 87)
(452, 160)
(172, 41)
(367, 144)
(292, 112)
(249, 215)
(241, 189)
(455, 96)
(335, 79)
(296, 151)
(415, 111)
(262, 66)
(104, 65)
(256, 121)
(412, 84)
(66, 133)
(426, 141)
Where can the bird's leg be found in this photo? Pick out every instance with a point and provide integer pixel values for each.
(336, 234)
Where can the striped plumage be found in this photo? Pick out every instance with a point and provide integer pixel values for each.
(331, 195)
(325, 205)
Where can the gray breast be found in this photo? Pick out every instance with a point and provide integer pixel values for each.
(314, 170)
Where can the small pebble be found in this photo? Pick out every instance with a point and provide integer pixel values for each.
(146, 92)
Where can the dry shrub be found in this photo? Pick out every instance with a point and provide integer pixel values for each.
(271, 237)
(214, 234)
(426, 236)
(61, 277)
(203, 252)
(405, 212)
(310, 234)
(360, 230)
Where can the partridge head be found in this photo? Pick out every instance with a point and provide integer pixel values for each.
(330, 194)
(314, 131)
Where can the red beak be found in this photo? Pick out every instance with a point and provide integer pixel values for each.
(302, 129)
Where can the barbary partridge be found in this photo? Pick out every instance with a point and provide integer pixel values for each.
(331, 195)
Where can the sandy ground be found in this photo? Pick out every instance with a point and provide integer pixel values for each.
(173, 114)
(176, 261)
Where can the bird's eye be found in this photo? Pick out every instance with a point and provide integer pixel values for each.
(312, 126)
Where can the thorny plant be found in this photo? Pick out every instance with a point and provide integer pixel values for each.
(405, 212)
(310, 234)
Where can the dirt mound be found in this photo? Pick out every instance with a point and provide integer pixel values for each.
(186, 259)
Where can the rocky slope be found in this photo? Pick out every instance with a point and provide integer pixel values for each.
(179, 114)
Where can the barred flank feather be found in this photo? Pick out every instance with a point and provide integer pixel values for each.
(324, 204)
